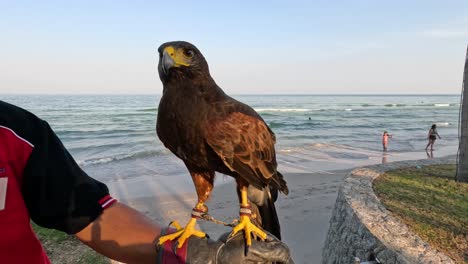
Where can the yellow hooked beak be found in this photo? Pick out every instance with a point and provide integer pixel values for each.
(173, 58)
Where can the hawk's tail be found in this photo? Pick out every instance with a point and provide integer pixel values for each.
(263, 205)
(278, 181)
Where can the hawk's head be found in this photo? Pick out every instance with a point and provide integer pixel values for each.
(180, 59)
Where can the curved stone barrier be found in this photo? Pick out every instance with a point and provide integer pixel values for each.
(362, 228)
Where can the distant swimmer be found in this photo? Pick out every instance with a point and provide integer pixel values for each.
(310, 118)
(385, 138)
(432, 136)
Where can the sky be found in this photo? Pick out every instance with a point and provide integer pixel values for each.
(252, 47)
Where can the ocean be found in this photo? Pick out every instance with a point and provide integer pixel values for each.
(113, 137)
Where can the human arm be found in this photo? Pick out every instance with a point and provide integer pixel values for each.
(123, 234)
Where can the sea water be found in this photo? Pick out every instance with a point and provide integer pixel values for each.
(113, 137)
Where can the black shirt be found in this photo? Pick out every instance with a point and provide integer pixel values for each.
(57, 192)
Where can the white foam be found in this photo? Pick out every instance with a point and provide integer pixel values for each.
(96, 161)
(284, 110)
(286, 150)
(443, 124)
(103, 160)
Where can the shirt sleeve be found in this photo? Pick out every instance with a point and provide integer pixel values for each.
(57, 192)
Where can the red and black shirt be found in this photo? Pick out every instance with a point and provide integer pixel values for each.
(39, 180)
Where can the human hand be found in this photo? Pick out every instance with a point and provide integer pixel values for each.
(225, 250)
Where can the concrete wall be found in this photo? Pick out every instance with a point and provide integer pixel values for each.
(361, 226)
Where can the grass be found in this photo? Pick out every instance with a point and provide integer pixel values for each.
(431, 203)
(66, 249)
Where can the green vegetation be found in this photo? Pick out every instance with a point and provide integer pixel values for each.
(430, 202)
(66, 249)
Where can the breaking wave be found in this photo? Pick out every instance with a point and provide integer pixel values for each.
(285, 110)
(120, 157)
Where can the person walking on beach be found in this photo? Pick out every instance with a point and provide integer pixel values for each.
(432, 136)
(385, 138)
(40, 181)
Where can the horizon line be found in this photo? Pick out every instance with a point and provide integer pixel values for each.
(234, 94)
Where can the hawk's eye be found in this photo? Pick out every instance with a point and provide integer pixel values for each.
(189, 53)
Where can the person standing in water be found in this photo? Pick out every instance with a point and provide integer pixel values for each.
(385, 138)
(432, 136)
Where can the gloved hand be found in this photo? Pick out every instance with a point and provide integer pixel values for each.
(225, 250)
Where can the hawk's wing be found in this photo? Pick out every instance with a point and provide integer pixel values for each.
(246, 146)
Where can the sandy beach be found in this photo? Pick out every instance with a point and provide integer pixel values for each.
(304, 214)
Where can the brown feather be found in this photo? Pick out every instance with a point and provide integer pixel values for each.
(245, 146)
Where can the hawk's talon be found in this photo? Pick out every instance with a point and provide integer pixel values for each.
(249, 230)
(182, 234)
(172, 236)
(175, 224)
(175, 246)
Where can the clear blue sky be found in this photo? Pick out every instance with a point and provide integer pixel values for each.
(251, 46)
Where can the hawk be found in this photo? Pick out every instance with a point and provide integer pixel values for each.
(212, 132)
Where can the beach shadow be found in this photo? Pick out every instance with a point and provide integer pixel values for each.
(430, 154)
(384, 158)
(175, 203)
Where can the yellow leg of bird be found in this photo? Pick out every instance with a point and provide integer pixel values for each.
(245, 223)
(182, 234)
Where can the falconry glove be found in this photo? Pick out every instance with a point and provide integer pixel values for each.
(225, 250)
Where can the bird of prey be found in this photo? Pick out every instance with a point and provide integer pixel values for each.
(210, 132)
